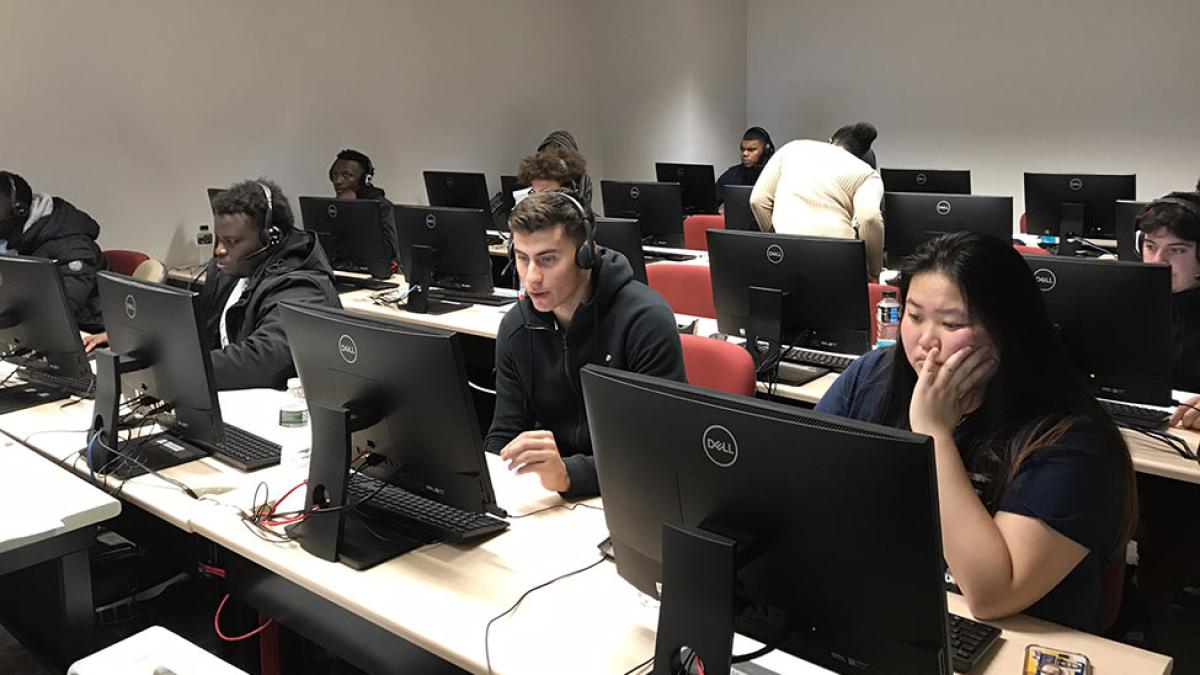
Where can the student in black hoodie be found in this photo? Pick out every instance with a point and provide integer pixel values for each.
(351, 174)
(260, 259)
(581, 306)
(43, 226)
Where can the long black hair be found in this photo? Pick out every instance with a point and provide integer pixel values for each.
(1037, 393)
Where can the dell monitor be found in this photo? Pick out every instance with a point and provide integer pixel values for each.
(38, 335)
(508, 185)
(446, 249)
(1068, 205)
(738, 215)
(815, 535)
(658, 208)
(1125, 218)
(623, 236)
(791, 290)
(914, 218)
(400, 393)
(697, 186)
(213, 193)
(351, 232)
(942, 181)
(458, 189)
(1124, 354)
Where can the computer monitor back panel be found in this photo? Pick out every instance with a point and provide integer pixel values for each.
(458, 189)
(161, 325)
(624, 236)
(914, 218)
(738, 215)
(508, 185)
(459, 239)
(34, 315)
(845, 512)
(408, 386)
(1114, 318)
(942, 181)
(1051, 196)
(658, 207)
(825, 281)
(1126, 219)
(697, 184)
(349, 230)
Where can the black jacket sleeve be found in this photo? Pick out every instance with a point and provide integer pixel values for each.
(263, 358)
(79, 283)
(78, 259)
(514, 411)
(387, 220)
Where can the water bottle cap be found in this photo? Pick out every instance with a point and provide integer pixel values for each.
(293, 383)
(889, 294)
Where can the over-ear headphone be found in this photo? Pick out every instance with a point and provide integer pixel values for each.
(270, 234)
(585, 256)
(1139, 237)
(19, 208)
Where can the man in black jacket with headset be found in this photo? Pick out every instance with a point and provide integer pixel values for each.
(260, 259)
(581, 306)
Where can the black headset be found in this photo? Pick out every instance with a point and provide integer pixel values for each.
(1139, 237)
(270, 234)
(19, 208)
(585, 256)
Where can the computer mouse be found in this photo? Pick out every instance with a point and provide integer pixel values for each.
(719, 336)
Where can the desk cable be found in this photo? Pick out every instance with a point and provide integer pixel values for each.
(487, 652)
(1172, 441)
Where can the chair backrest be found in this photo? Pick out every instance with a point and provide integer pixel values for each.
(1023, 228)
(874, 295)
(150, 270)
(695, 227)
(1030, 250)
(686, 288)
(719, 365)
(124, 262)
(1112, 588)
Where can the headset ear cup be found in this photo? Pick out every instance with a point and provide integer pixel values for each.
(1138, 240)
(585, 255)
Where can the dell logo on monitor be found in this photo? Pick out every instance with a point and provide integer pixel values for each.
(1076, 184)
(130, 306)
(634, 192)
(720, 445)
(431, 221)
(775, 254)
(943, 208)
(347, 349)
(449, 181)
(922, 179)
(1045, 279)
(332, 210)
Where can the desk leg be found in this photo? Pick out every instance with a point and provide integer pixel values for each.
(48, 607)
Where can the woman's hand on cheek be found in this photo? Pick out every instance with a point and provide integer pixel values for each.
(945, 393)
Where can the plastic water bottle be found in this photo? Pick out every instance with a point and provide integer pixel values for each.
(295, 438)
(887, 320)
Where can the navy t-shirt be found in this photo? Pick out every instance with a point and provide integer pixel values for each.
(1073, 486)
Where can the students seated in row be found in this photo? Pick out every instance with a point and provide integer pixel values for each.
(351, 174)
(824, 190)
(980, 368)
(563, 139)
(260, 259)
(757, 149)
(581, 306)
(45, 226)
(551, 169)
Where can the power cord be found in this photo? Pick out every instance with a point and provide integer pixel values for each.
(568, 507)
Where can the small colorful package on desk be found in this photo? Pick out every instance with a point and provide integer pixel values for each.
(1046, 661)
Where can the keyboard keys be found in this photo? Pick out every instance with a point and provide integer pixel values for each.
(245, 450)
(451, 524)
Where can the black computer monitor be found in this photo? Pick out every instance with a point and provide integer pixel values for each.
(213, 193)
(444, 247)
(791, 290)
(697, 186)
(157, 352)
(394, 390)
(1126, 228)
(624, 236)
(817, 535)
(457, 188)
(914, 218)
(1123, 354)
(942, 181)
(658, 208)
(738, 215)
(351, 232)
(508, 185)
(1075, 205)
(38, 334)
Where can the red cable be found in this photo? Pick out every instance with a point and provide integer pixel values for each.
(214, 571)
(236, 638)
(285, 496)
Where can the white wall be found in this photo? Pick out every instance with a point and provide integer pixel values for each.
(131, 109)
(995, 87)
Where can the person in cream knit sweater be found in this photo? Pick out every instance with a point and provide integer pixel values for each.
(825, 190)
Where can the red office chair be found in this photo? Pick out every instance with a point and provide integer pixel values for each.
(1024, 226)
(686, 288)
(695, 227)
(124, 262)
(874, 295)
(1030, 250)
(718, 365)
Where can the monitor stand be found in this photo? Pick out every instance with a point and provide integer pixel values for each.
(1070, 227)
(420, 278)
(765, 324)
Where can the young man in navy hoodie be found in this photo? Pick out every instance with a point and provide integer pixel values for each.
(581, 306)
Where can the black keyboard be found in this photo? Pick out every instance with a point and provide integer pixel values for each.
(652, 256)
(1136, 415)
(969, 641)
(83, 387)
(344, 284)
(451, 295)
(449, 523)
(495, 240)
(810, 357)
(245, 450)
